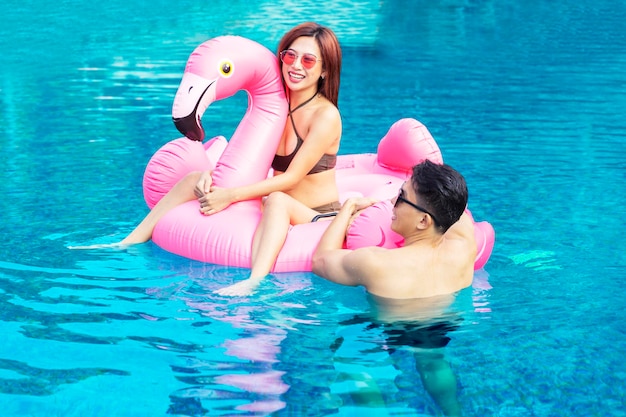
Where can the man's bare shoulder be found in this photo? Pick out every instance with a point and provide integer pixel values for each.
(371, 256)
(386, 272)
(462, 230)
(371, 263)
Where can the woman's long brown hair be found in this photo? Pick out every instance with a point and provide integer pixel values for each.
(330, 51)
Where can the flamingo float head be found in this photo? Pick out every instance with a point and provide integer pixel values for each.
(407, 143)
(217, 69)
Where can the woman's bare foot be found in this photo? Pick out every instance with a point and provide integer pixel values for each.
(240, 289)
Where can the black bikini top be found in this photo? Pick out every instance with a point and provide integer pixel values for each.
(282, 162)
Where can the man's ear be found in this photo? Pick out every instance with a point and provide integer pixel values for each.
(423, 221)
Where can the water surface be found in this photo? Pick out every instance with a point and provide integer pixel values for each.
(525, 99)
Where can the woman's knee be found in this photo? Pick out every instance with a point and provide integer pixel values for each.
(276, 199)
(194, 175)
(191, 178)
(185, 186)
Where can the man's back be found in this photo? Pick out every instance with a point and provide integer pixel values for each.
(437, 256)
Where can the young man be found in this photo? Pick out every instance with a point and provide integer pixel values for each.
(411, 287)
(438, 253)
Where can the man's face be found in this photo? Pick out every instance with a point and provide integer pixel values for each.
(404, 208)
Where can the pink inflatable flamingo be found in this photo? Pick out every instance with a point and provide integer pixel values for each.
(216, 70)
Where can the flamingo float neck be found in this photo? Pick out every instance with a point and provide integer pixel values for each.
(216, 70)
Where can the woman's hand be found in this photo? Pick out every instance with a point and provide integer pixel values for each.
(217, 199)
(203, 185)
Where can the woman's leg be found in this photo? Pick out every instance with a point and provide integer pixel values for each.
(177, 195)
(279, 212)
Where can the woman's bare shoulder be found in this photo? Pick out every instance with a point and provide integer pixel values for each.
(326, 109)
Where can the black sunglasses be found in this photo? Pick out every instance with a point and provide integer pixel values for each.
(401, 198)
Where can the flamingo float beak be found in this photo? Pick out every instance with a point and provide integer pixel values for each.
(194, 95)
(190, 126)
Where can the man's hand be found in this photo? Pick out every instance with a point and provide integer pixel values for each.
(356, 204)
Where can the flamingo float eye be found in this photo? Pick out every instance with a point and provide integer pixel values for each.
(226, 68)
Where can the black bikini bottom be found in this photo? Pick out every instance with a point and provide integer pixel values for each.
(326, 210)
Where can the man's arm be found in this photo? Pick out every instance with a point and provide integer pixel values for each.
(462, 230)
(330, 260)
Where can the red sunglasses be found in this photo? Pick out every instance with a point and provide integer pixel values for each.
(289, 56)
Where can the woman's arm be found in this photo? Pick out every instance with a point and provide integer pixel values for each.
(324, 132)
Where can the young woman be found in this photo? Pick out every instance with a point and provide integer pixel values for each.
(303, 185)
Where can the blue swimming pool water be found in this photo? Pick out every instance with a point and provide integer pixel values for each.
(526, 99)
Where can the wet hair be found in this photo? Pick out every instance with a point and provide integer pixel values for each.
(330, 51)
(442, 190)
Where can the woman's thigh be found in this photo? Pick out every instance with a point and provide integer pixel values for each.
(297, 212)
